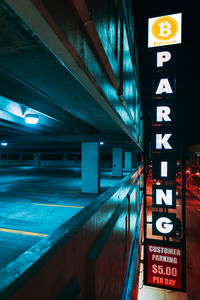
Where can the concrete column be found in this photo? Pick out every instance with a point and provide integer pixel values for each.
(36, 161)
(90, 171)
(127, 161)
(117, 162)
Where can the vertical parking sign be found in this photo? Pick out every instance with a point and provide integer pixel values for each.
(164, 220)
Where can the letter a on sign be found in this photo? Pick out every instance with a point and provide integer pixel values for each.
(164, 87)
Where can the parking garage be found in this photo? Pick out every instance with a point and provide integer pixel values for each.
(71, 139)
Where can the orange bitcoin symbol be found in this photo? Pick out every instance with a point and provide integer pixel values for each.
(165, 28)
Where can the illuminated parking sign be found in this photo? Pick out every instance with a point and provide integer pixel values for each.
(163, 168)
(164, 222)
(164, 30)
(164, 112)
(164, 139)
(164, 196)
(164, 84)
(165, 266)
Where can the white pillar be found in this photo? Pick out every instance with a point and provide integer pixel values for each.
(90, 182)
(117, 162)
(36, 161)
(127, 161)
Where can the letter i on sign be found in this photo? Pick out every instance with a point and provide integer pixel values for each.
(164, 168)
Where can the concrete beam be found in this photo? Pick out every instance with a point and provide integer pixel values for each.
(42, 23)
(42, 139)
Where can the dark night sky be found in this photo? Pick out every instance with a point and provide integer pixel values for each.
(188, 64)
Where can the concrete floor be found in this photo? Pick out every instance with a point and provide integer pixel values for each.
(33, 203)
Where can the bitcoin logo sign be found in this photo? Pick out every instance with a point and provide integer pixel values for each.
(165, 30)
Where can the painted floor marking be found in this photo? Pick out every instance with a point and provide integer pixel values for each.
(57, 205)
(23, 232)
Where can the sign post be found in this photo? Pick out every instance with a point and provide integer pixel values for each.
(164, 207)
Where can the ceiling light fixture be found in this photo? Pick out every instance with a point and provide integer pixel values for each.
(31, 119)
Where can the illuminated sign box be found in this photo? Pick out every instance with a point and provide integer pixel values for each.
(164, 224)
(163, 256)
(164, 59)
(164, 30)
(164, 168)
(164, 196)
(164, 139)
(164, 111)
(164, 85)
(164, 266)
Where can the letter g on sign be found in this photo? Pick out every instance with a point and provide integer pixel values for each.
(164, 225)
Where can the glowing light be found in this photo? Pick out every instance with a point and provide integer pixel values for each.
(162, 114)
(164, 87)
(161, 196)
(164, 225)
(31, 119)
(101, 143)
(162, 141)
(162, 57)
(4, 144)
(164, 168)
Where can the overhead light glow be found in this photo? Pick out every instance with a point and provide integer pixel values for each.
(101, 143)
(4, 144)
(31, 119)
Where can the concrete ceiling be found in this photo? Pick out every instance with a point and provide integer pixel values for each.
(34, 80)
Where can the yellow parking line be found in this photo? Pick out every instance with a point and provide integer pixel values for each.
(23, 232)
(57, 205)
